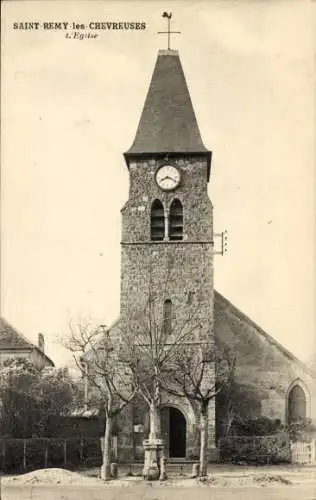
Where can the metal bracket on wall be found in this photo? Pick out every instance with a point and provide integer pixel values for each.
(222, 238)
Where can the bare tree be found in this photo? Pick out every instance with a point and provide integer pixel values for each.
(110, 380)
(199, 372)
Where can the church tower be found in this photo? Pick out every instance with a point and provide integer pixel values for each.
(167, 230)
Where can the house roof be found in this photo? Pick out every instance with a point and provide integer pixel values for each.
(12, 339)
(168, 123)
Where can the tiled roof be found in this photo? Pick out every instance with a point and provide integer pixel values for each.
(168, 123)
(11, 339)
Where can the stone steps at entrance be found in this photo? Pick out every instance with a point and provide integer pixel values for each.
(173, 466)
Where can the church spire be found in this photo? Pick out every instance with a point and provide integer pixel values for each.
(168, 124)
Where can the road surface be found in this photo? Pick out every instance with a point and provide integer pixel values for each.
(146, 492)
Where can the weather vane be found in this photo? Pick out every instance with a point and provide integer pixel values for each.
(168, 16)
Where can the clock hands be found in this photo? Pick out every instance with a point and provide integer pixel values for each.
(167, 177)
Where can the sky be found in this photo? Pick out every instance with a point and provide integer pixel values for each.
(70, 109)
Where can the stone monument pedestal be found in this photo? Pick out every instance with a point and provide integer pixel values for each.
(153, 458)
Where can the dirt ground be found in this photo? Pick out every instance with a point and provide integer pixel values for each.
(223, 483)
(145, 492)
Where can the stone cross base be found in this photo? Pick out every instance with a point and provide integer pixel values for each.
(153, 457)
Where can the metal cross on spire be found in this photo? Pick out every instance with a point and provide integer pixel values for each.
(168, 16)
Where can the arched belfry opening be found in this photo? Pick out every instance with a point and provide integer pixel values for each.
(174, 429)
(157, 221)
(297, 404)
(176, 221)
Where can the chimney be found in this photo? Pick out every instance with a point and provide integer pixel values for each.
(41, 342)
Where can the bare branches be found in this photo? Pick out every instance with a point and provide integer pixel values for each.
(201, 373)
(96, 355)
(157, 353)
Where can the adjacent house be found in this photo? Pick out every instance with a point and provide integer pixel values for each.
(13, 344)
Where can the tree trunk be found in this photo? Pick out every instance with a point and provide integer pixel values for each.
(229, 422)
(106, 465)
(154, 421)
(204, 438)
(154, 458)
(151, 469)
(155, 433)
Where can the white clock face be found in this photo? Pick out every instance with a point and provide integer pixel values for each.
(168, 177)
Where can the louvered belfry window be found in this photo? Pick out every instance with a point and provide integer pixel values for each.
(157, 221)
(176, 221)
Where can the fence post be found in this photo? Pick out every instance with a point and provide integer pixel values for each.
(24, 454)
(1, 441)
(313, 451)
(81, 450)
(3, 452)
(46, 457)
(65, 451)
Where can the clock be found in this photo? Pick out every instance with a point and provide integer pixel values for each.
(168, 177)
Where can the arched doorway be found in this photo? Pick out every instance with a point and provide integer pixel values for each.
(296, 404)
(174, 429)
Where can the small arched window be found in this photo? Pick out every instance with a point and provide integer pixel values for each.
(167, 317)
(176, 221)
(157, 221)
(296, 404)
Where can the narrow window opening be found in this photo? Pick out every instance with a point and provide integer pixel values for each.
(167, 317)
(176, 221)
(157, 221)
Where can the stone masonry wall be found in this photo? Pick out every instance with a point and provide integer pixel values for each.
(265, 371)
(180, 271)
(192, 193)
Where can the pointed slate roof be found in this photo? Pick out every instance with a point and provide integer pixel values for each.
(12, 339)
(168, 123)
